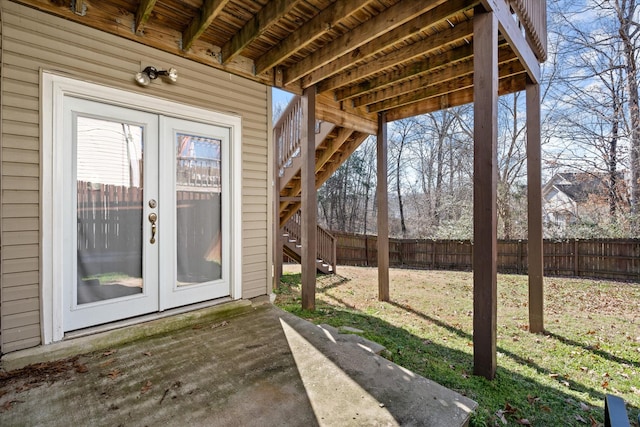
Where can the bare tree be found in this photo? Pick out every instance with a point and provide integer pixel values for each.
(597, 100)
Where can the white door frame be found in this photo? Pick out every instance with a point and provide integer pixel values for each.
(54, 89)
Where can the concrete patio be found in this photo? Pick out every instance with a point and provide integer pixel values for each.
(239, 364)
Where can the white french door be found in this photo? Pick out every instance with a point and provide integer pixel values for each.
(146, 212)
(194, 184)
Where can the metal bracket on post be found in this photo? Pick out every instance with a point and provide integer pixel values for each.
(78, 7)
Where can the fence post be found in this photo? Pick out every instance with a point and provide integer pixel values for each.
(576, 260)
(435, 260)
(366, 250)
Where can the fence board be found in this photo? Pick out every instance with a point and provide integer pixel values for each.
(616, 259)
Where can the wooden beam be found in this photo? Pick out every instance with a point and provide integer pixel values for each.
(209, 11)
(341, 115)
(258, 24)
(507, 85)
(309, 32)
(387, 20)
(511, 31)
(485, 178)
(440, 88)
(143, 14)
(414, 69)
(383, 209)
(309, 200)
(432, 44)
(395, 36)
(442, 74)
(534, 197)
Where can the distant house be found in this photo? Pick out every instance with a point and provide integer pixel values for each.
(573, 196)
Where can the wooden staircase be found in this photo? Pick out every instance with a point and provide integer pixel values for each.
(334, 144)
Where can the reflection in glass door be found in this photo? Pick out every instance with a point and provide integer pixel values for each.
(110, 194)
(196, 200)
(198, 209)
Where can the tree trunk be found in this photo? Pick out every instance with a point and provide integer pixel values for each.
(626, 11)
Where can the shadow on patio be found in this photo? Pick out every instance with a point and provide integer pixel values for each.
(265, 367)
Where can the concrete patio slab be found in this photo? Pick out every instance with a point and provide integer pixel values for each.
(262, 368)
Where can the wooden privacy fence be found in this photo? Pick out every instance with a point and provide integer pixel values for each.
(597, 258)
(110, 227)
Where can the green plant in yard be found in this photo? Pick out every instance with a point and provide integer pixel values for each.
(591, 345)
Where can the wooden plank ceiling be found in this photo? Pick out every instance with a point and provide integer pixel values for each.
(405, 57)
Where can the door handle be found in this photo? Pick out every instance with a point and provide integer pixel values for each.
(152, 219)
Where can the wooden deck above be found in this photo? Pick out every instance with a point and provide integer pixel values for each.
(404, 57)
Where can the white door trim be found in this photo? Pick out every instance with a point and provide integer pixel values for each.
(54, 89)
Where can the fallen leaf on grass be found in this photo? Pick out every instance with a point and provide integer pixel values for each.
(500, 415)
(605, 384)
(545, 408)
(508, 409)
(146, 387)
(147, 353)
(594, 423)
(523, 421)
(584, 406)
(532, 399)
(114, 374)
(81, 368)
(109, 353)
(582, 420)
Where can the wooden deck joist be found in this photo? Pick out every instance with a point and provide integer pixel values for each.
(366, 55)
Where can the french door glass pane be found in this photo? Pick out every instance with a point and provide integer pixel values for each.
(109, 175)
(198, 199)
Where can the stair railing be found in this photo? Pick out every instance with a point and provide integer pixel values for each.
(326, 243)
(287, 135)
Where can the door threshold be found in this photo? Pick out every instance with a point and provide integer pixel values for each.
(144, 318)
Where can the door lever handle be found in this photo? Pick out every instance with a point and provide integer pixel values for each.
(152, 219)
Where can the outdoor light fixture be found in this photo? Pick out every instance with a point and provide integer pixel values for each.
(144, 77)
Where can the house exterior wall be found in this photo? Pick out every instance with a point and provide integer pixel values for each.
(32, 41)
(559, 209)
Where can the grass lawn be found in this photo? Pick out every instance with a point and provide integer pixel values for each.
(591, 346)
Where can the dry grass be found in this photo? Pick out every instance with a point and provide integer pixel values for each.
(591, 345)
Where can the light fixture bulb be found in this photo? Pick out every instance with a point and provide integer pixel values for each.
(142, 78)
(172, 74)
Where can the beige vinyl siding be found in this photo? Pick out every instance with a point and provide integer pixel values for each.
(34, 41)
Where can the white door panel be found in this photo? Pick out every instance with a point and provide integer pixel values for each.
(194, 186)
(110, 171)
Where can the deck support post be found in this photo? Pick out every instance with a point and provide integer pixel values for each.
(534, 199)
(309, 200)
(485, 175)
(277, 229)
(383, 209)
